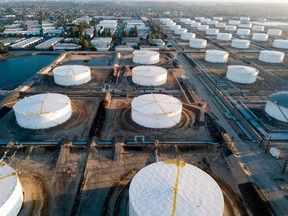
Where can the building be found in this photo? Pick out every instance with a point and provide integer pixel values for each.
(102, 43)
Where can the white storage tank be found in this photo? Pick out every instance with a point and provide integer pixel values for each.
(220, 25)
(188, 22)
(212, 22)
(205, 20)
(274, 32)
(152, 191)
(174, 27)
(277, 106)
(245, 25)
(187, 35)
(241, 44)
(197, 43)
(43, 111)
(279, 43)
(234, 22)
(156, 110)
(258, 28)
(224, 36)
(230, 28)
(216, 56)
(149, 75)
(242, 74)
(260, 37)
(271, 56)
(243, 32)
(171, 24)
(218, 18)
(245, 19)
(212, 31)
(199, 18)
(195, 25)
(180, 31)
(146, 57)
(11, 191)
(70, 75)
(184, 20)
(203, 27)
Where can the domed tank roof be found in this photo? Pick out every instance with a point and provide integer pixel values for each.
(280, 98)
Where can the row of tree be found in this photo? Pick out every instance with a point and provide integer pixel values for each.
(133, 32)
(3, 49)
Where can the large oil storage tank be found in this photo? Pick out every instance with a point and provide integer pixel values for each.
(174, 27)
(258, 28)
(216, 56)
(195, 24)
(156, 110)
(224, 36)
(212, 31)
(243, 32)
(69, 75)
(277, 106)
(184, 20)
(212, 22)
(271, 56)
(241, 44)
(231, 28)
(245, 19)
(279, 43)
(218, 18)
(260, 37)
(146, 57)
(180, 31)
(205, 20)
(149, 75)
(203, 27)
(152, 191)
(234, 22)
(11, 197)
(245, 25)
(170, 24)
(187, 35)
(197, 43)
(199, 18)
(220, 25)
(188, 22)
(274, 32)
(43, 111)
(242, 74)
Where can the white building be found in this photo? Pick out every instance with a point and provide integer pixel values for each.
(102, 43)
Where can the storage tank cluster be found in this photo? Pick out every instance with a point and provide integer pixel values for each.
(199, 18)
(245, 25)
(70, 75)
(187, 35)
(174, 27)
(231, 28)
(212, 22)
(224, 36)
(260, 37)
(146, 57)
(281, 44)
(205, 20)
(212, 31)
(274, 32)
(43, 111)
(258, 28)
(197, 43)
(245, 19)
(216, 56)
(271, 56)
(152, 191)
(11, 191)
(156, 110)
(243, 32)
(149, 75)
(242, 74)
(277, 106)
(240, 43)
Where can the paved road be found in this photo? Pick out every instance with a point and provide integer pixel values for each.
(259, 165)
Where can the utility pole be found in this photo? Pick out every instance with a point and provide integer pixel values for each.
(268, 145)
(285, 164)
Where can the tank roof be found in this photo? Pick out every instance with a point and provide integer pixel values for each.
(280, 98)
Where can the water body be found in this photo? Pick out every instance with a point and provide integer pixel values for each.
(15, 71)
(92, 62)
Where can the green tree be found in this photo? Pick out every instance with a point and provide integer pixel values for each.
(149, 39)
(84, 44)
